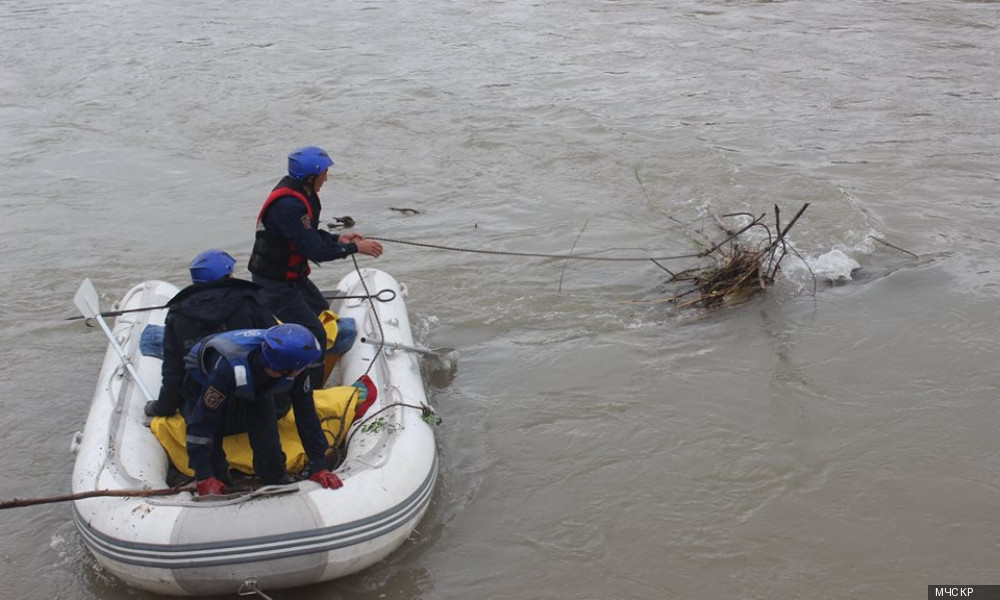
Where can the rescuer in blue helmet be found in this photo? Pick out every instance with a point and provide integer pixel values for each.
(211, 265)
(251, 367)
(214, 302)
(311, 160)
(288, 237)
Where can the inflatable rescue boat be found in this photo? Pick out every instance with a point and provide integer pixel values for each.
(271, 537)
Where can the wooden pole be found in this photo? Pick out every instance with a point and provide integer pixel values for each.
(17, 502)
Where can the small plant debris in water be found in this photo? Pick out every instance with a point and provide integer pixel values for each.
(429, 416)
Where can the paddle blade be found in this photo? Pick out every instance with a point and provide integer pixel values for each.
(446, 357)
(440, 366)
(86, 299)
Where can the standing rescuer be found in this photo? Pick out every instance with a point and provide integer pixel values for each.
(288, 237)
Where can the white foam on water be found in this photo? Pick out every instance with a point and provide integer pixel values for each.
(837, 265)
(834, 265)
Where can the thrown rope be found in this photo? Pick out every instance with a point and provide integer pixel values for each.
(540, 255)
(368, 294)
(701, 254)
(426, 412)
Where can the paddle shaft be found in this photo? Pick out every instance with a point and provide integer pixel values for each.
(115, 313)
(398, 346)
(326, 295)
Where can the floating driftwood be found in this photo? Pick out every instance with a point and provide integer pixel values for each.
(739, 268)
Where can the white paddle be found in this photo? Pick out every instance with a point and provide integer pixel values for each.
(88, 302)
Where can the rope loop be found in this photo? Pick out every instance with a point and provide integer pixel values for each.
(250, 588)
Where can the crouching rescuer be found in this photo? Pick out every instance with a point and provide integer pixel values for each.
(245, 370)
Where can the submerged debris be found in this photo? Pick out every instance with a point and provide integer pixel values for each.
(345, 222)
(405, 211)
(739, 268)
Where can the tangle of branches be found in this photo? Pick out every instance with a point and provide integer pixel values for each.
(738, 268)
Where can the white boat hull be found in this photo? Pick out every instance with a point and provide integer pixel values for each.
(276, 538)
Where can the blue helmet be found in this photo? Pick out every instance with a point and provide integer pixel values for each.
(289, 347)
(211, 265)
(311, 160)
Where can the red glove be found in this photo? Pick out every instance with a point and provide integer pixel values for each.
(210, 487)
(326, 479)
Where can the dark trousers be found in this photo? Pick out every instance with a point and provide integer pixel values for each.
(258, 419)
(298, 302)
(262, 429)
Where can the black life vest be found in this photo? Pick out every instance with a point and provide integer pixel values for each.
(273, 256)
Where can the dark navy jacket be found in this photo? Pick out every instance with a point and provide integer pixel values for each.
(287, 220)
(196, 311)
(219, 385)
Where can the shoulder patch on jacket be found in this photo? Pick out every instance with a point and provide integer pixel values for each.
(306, 224)
(213, 398)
